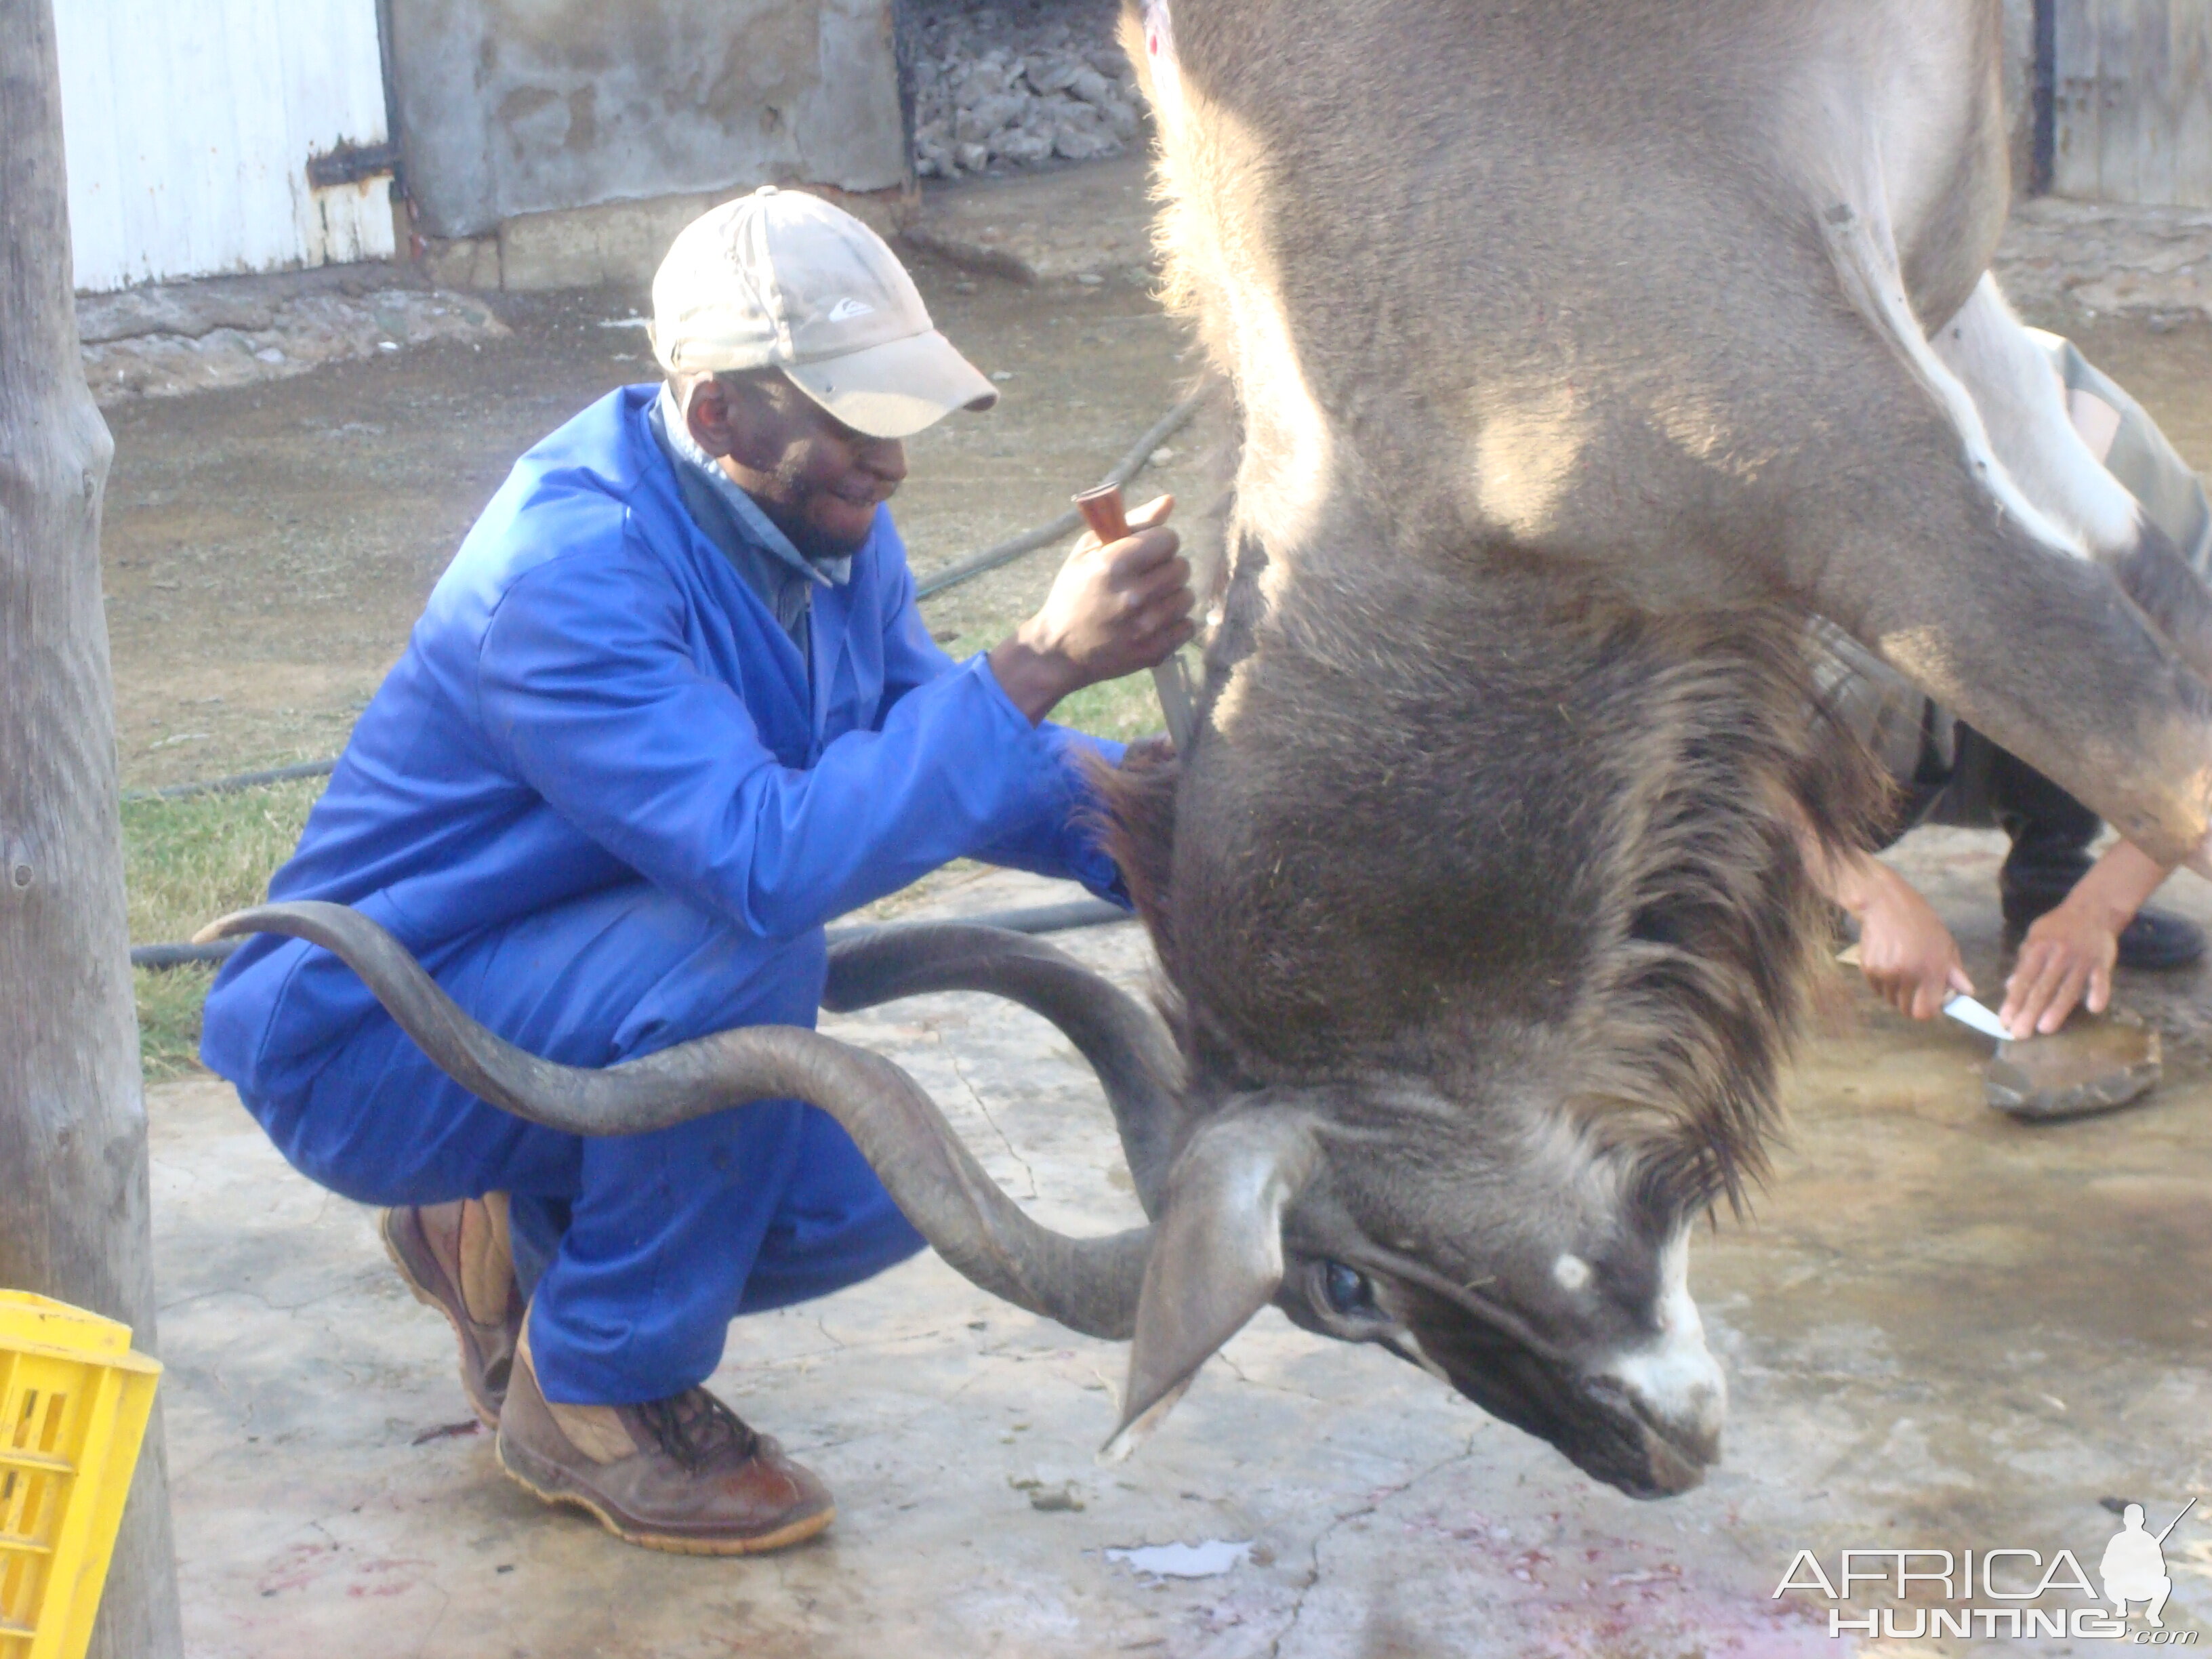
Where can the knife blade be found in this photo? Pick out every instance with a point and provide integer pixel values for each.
(1976, 1018)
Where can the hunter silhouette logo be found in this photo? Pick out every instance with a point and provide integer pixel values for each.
(1984, 1592)
(2134, 1567)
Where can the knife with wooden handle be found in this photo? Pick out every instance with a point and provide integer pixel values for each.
(1102, 510)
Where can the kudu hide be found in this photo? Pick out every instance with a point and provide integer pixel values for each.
(1581, 352)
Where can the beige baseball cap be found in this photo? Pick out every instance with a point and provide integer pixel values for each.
(780, 279)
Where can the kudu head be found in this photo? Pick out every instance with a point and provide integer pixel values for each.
(1509, 1257)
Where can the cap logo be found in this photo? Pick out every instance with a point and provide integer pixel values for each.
(847, 308)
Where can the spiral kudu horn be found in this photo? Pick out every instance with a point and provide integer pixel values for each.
(1089, 1284)
(1123, 1041)
(1217, 1196)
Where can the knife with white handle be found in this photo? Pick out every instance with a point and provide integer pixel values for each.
(1974, 1016)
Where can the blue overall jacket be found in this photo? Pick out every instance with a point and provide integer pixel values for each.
(594, 696)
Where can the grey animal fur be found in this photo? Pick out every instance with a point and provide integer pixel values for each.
(1578, 348)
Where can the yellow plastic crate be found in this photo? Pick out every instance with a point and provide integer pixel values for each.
(74, 1401)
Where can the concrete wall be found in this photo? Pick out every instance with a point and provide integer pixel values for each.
(520, 107)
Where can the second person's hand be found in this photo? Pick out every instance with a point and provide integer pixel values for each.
(2067, 956)
(1905, 951)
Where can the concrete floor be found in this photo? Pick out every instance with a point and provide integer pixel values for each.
(1942, 1330)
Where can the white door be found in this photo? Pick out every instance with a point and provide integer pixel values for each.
(2132, 101)
(189, 125)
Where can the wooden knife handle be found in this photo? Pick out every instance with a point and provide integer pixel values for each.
(1103, 511)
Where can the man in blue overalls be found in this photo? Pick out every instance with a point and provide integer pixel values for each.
(670, 710)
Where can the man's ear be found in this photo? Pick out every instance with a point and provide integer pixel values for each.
(707, 415)
(742, 419)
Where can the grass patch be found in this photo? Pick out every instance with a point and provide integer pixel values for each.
(1125, 709)
(169, 1004)
(184, 863)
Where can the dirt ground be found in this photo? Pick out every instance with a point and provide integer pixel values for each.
(268, 547)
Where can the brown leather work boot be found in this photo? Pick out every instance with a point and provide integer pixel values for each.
(456, 1259)
(683, 1474)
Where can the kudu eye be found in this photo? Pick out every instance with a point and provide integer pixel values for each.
(1346, 1289)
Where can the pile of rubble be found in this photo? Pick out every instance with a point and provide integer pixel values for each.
(1019, 82)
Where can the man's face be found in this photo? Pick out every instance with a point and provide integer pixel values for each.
(818, 480)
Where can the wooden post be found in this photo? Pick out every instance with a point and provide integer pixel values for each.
(74, 1219)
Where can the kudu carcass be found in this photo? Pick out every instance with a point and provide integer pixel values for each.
(1579, 352)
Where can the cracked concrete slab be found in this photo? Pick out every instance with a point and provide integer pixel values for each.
(1943, 1329)
(166, 339)
(1089, 224)
(2062, 258)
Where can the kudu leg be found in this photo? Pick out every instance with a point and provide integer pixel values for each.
(1904, 527)
(2023, 406)
(1899, 532)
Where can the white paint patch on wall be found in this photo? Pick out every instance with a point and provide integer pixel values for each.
(189, 124)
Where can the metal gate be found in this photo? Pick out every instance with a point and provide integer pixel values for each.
(190, 125)
(2129, 85)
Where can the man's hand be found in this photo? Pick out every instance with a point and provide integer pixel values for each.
(2069, 950)
(1113, 610)
(2067, 956)
(1905, 951)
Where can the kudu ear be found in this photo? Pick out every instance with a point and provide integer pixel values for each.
(1216, 1258)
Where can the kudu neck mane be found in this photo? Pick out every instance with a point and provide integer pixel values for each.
(1451, 825)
